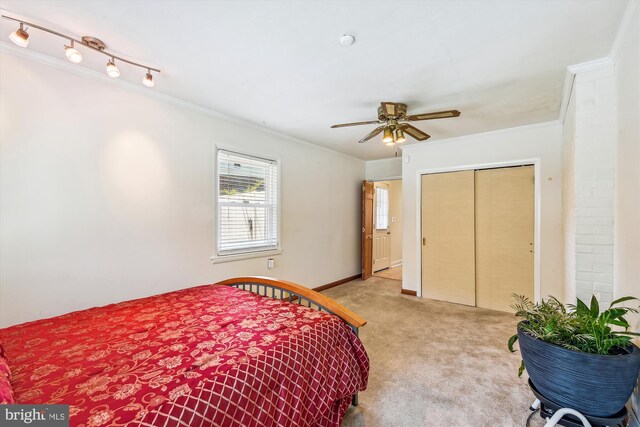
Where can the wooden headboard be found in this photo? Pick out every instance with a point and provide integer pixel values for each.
(295, 293)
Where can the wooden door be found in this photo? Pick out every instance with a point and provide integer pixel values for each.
(504, 236)
(448, 238)
(381, 231)
(367, 229)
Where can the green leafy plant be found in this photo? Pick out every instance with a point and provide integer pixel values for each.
(575, 327)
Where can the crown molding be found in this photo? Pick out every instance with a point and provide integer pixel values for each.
(386, 159)
(608, 61)
(567, 90)
(60, 64)
(570, 77)
(625, 24)
(550, 123)
(596, 64)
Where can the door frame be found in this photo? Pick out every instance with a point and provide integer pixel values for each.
(374, 229)
(373, 181)
(536, 210)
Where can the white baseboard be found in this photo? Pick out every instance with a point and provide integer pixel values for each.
(396, 263)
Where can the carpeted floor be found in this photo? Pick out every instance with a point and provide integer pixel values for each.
(434, 363)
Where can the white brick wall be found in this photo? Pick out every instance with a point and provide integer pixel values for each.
(590, 135)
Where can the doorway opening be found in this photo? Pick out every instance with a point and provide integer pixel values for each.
(382, 229)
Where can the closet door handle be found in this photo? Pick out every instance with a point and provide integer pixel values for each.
(424, 241)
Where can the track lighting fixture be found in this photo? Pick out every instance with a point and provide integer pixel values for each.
(112, 70)
(72, 53)
(148, 79)
(21, 38)
(400, 136)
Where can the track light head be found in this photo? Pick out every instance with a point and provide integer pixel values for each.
(20, 37)
(148, 79)
(72, 54)
(112, 70)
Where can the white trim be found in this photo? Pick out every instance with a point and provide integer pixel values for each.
(79, 70)
(570, 77)
(411, 147)
(391, 178)
(596, 64)
(396, 263)
(536, 162)
(567, 90)
(625, 24)
(216, 258)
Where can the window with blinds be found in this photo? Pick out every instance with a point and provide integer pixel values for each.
(247, 204)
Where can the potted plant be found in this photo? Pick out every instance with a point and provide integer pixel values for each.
(574, 355)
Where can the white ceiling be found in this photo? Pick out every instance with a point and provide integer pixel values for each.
(279, 63)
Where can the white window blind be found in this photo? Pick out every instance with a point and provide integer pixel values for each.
(382, 208)
(247, 204)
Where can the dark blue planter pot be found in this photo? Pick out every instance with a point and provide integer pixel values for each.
(593, 384)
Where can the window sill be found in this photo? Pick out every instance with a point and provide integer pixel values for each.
(217, 259)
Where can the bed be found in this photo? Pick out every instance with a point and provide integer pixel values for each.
(248, 351)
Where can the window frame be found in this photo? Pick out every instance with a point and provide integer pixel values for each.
(249, 252)
(388, 211)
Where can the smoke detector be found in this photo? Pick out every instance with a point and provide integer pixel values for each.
(347, 40)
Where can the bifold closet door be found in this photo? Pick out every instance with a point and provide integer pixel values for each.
(448, 247)
(504, 235)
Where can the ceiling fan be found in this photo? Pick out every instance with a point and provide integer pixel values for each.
(394, 119)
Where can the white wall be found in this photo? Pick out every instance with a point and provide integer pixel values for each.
(396, 225)
(627, 174)
(542, 142)
(106, 195)
(569, 200)
(589, 138)
(627, 171)
(378, 170)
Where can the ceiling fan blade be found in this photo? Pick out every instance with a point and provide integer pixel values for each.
(437, 115)
(355, 124)
(414, 132)
(389, 108)
(371, 134)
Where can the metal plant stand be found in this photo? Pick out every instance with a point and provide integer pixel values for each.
(555, 414)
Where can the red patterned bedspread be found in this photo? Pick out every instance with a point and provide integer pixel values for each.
(209, 355)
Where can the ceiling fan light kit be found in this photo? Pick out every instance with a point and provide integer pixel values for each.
(21, 38)
(394, 121)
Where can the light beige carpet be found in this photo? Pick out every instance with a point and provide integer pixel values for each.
(434, 363)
